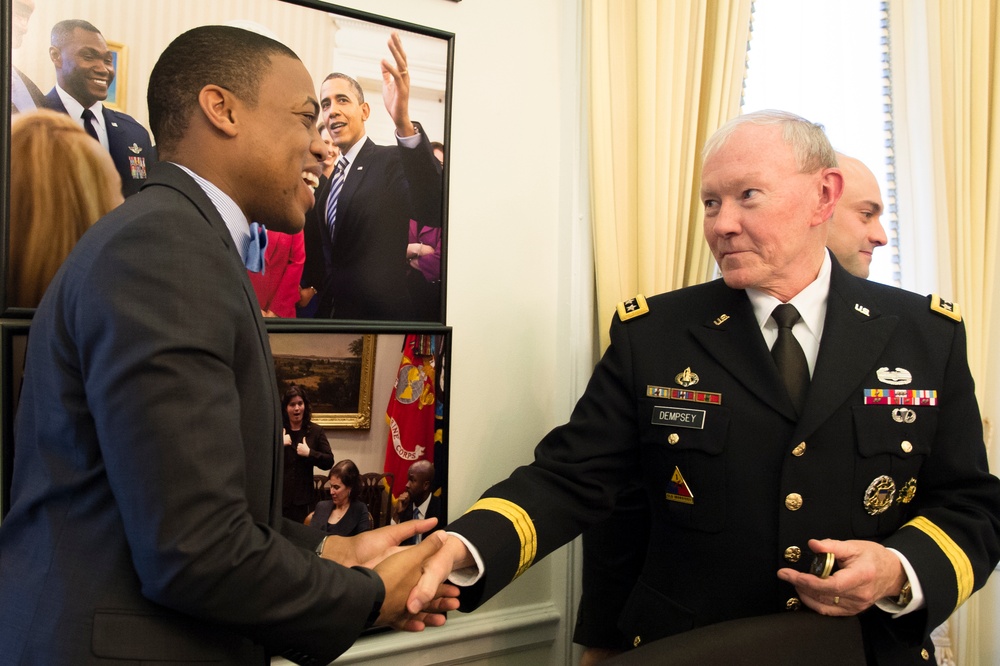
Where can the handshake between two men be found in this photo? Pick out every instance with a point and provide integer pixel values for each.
(406, 606)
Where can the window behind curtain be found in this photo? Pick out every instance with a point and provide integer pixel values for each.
(829, 62)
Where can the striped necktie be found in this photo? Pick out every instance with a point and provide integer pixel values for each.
(417, 516)
(336, 184)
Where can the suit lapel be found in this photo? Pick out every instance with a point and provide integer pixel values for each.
(168, 174)
(734, 339)
(854, 335)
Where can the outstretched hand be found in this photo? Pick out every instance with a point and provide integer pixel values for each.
(368, 549)
(452, 556)
(400, 573)
(396, 87)
(867, 573)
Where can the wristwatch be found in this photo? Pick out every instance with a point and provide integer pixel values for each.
(319, 550)
(905, 595)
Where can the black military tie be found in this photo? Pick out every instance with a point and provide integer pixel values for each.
(788, 355)
(88, 123)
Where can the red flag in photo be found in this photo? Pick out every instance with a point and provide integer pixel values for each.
(410, 413)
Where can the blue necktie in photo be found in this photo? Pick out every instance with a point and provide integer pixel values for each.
(253, 257)
(336, 184)
(417, 516)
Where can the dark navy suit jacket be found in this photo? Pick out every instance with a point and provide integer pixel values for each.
(145, 521)
(365, 263)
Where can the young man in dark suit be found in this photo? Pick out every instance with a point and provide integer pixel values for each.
(145, 521)
(761, 439)
(85, 70)
(364, 230)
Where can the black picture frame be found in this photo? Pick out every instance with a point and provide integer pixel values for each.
(383, 337)
(136, 84)
(13, 345)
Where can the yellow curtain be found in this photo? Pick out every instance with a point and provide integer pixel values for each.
(965, 127)
(663, 75)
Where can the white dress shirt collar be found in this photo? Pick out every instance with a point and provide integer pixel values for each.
(811, 304)
(236, 221)
(75, 111)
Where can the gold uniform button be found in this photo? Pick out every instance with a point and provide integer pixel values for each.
(799, 450)
(925, 655)
(793, 553)
(793, 604)
(636, 641)
(793, 502)
(906, 446)
(673, 438)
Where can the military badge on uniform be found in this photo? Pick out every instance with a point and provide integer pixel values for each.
(862, 309)
(135, 148)
(678, 416)
(721, 319)
(678, 490)
(632, 308)
(882, 396)
(907, 491)
(879, 495)
(686, 378)
(137, 167)
(902, 415)
(897, 377)
(671, 393)
(945, 308)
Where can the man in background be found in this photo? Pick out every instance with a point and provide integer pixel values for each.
(24, 94)
(85, 70)
(609, 573)
(145, 521)
(855, 230)
(789, 408)
(364, 225)
(418, 500)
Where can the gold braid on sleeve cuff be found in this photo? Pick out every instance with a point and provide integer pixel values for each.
(959, 560)
(522, 523)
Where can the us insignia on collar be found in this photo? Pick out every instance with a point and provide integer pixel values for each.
(632, 308)
(945, 308)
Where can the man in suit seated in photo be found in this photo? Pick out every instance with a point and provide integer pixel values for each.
(85, 70)
(24, 94)
(418, 500)
(363, 212)
(609, 573)
(787, 409)
(145, 522)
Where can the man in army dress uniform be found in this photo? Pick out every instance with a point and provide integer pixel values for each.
(867, 444)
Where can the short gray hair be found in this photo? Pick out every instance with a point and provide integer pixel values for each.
(807, 139)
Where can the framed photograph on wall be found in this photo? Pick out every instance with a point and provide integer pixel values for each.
(406, 411)
(349, 273)
(336, 370)
(117, 90)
